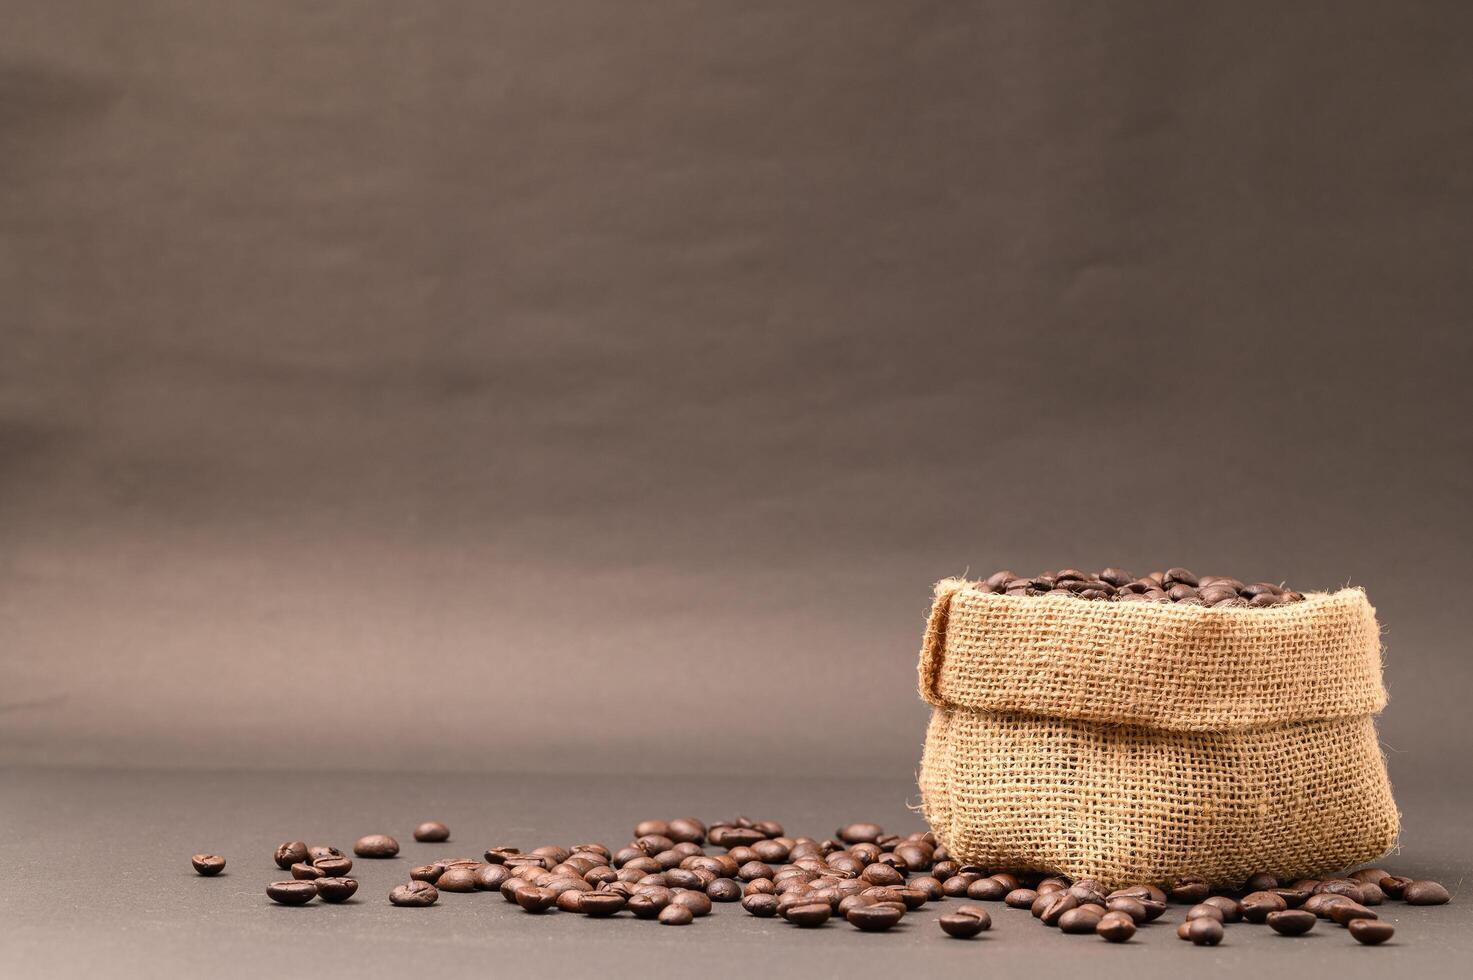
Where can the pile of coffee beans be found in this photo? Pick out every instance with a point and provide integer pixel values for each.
(1177, 585)
(861, 875)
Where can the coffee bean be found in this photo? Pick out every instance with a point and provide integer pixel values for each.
(699, 903)
(762, 906)
(459, 879)
(429, 872)
(290, 853)
(1020, 898)
(1394, 885)
(1347, 911)
(648, 906)
(307, 872)
(431, 831)
(1201, 932)
(1257, 906)
(1338, 886)
(873, 918)
(535, 899)
(1116, 927)
(883, 874)
(809, 915)
(291, 892)
(1293, 897)
(859, 833)
(724, 890)
(1204, 911)
(676, 915)
(1055, 905)
(1261, 883)
(964, 924)
(490, 877)
(601, 904)
(1177, 585)
(1291, 922)
(376, 846)
(569, 901)
(1132, 908)
(1371, 932)
(336, 889)
(415, 894)
(208, 865)
(319, 851)
(1080, 920)
(333, 867)
(1188, 890)
(1371, 893)
(1425, 893)
(1232, 911)
(987, 890)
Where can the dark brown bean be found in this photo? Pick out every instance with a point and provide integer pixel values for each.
(987, 890)
(1082, 919)
(724, 890)
(208, 865)
(1201, 932)
(291, 892)
(432, 831)
(601, 904)
(1020, 898)
(459, 879)
(1055, 905)
(699, 903)
(333, 867)
(336, 889)
(1257, 906)
(859, 833)
(1347, 911)
(1188, 890)
(874, 918)
(810, 914)
(290, 853)
(536, 900)
(376, 846)
(1425, 893)
(964, 924)
(676, 915)
(1116, 927)
(307, 872)
(1232, 911)
(1204, 911)
(1371, 932)
(1291, 922)
(1394, 885)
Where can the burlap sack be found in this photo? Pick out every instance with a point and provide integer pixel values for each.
(1133, 742)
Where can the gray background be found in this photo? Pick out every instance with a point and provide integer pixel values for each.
(575, 386)
(394, 394)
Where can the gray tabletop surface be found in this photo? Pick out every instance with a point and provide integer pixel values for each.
(99, 885)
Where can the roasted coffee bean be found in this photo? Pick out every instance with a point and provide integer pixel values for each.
(646, 828)
(1261, 883)
(291, 892)
(686, 830)
(1178, 585)
(333, 867)
(1055, 905)
(319, 851)
(1291, 922)
(307, 872)
(724, 890)
(1133, 908)
(676, 915)
(290, 853)
(1020, 898)
(208, 865)
(1347, 911)
(762, 906)
(753, 870)
(730, 837)
(809, 915)
(1369, 875)
(1425, 893)
(883, 874)
(942, 870)
(429, 872)
(987, 890)
(1257, 906)
(1078, 921)
(860, 833)
(965, 923)
(1320, 904)
(459, 879)
(570, 901)
(759, 886)
(1293, 897)
(601, 904)
(699, 903)
(431, 831)
(536, 900)
(376, 846)
(1394, 885)
(1116, 927)
(873, 918)
(511, 886)
(1338, 886)
(1088, 893)
(913, 898)
(1201, 932)
(336, 889)
(1051, 884)
(1188, 890)
(1232, 911)
(1371, 932)
(647, 905)
(1204, 911)
(1371, 893)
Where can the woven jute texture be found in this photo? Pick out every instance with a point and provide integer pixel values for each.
(1134, 742)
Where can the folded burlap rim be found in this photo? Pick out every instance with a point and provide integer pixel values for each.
(1159, 665)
